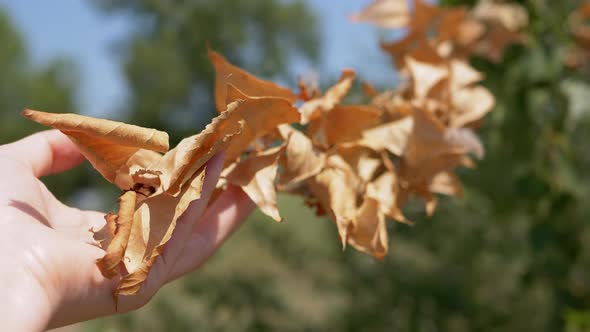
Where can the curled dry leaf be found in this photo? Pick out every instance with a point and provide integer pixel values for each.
(112, 147)
(120, 228)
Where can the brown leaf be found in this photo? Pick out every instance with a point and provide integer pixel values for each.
(109, 263)
(261, 117)
(391, 136)
(153, 223)
(446, 183)
(363, 161)
(425, 76)
(335, 189)
(511, 16)
(386, 190)
(227, 74)
(180, 163)
(301, 160)
(368, 232)
(470, 105)
(385, 13)
(111, 147)
(343, 123)
(256, 175)
(333, 96)
(462, 75)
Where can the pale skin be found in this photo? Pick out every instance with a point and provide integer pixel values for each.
(48, 276)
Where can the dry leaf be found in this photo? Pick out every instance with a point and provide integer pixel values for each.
(153, 223)
(111, 147)
(335, 188)
(343, 123)
(109, 263)
(386, 190)
(261, 116)
(470, 105)
(227, 74)
(511, 16)
(193, 152)
(333, 96)
(301, 160)
(256, 175)
(425, 76)
(368, 232)
(385, 13)
(391, 136)
(363, 161)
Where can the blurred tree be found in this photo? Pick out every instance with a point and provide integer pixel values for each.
(50, 87)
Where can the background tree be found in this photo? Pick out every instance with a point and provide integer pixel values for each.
(24, 85)
(512, 255)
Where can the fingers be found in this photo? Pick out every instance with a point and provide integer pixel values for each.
(220, 220)
(46, 152)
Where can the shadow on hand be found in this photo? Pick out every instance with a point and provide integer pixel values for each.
(30, 210)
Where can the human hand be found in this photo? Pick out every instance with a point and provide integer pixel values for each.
(48, 275)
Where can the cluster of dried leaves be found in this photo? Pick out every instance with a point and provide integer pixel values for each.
(358, 164)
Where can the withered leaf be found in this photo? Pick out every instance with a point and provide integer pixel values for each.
(111, 147)
(470, 105)
(446, 183)
(227, 74)
(363, 161)
(109, 263)
(193, 152)
(385, 13)
(425, 76)
(301, 159)
(391, 136)
(343, 123)
(333, 96)
(386, 190)
(368, 232)
(256, 175)
(261, 116)
(335, 188)
(511, 16)
(153, 223)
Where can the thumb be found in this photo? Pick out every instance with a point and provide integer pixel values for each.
(45, 153)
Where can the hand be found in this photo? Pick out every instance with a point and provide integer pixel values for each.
(48, 276)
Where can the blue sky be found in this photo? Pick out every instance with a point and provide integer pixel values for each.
(74, 29)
